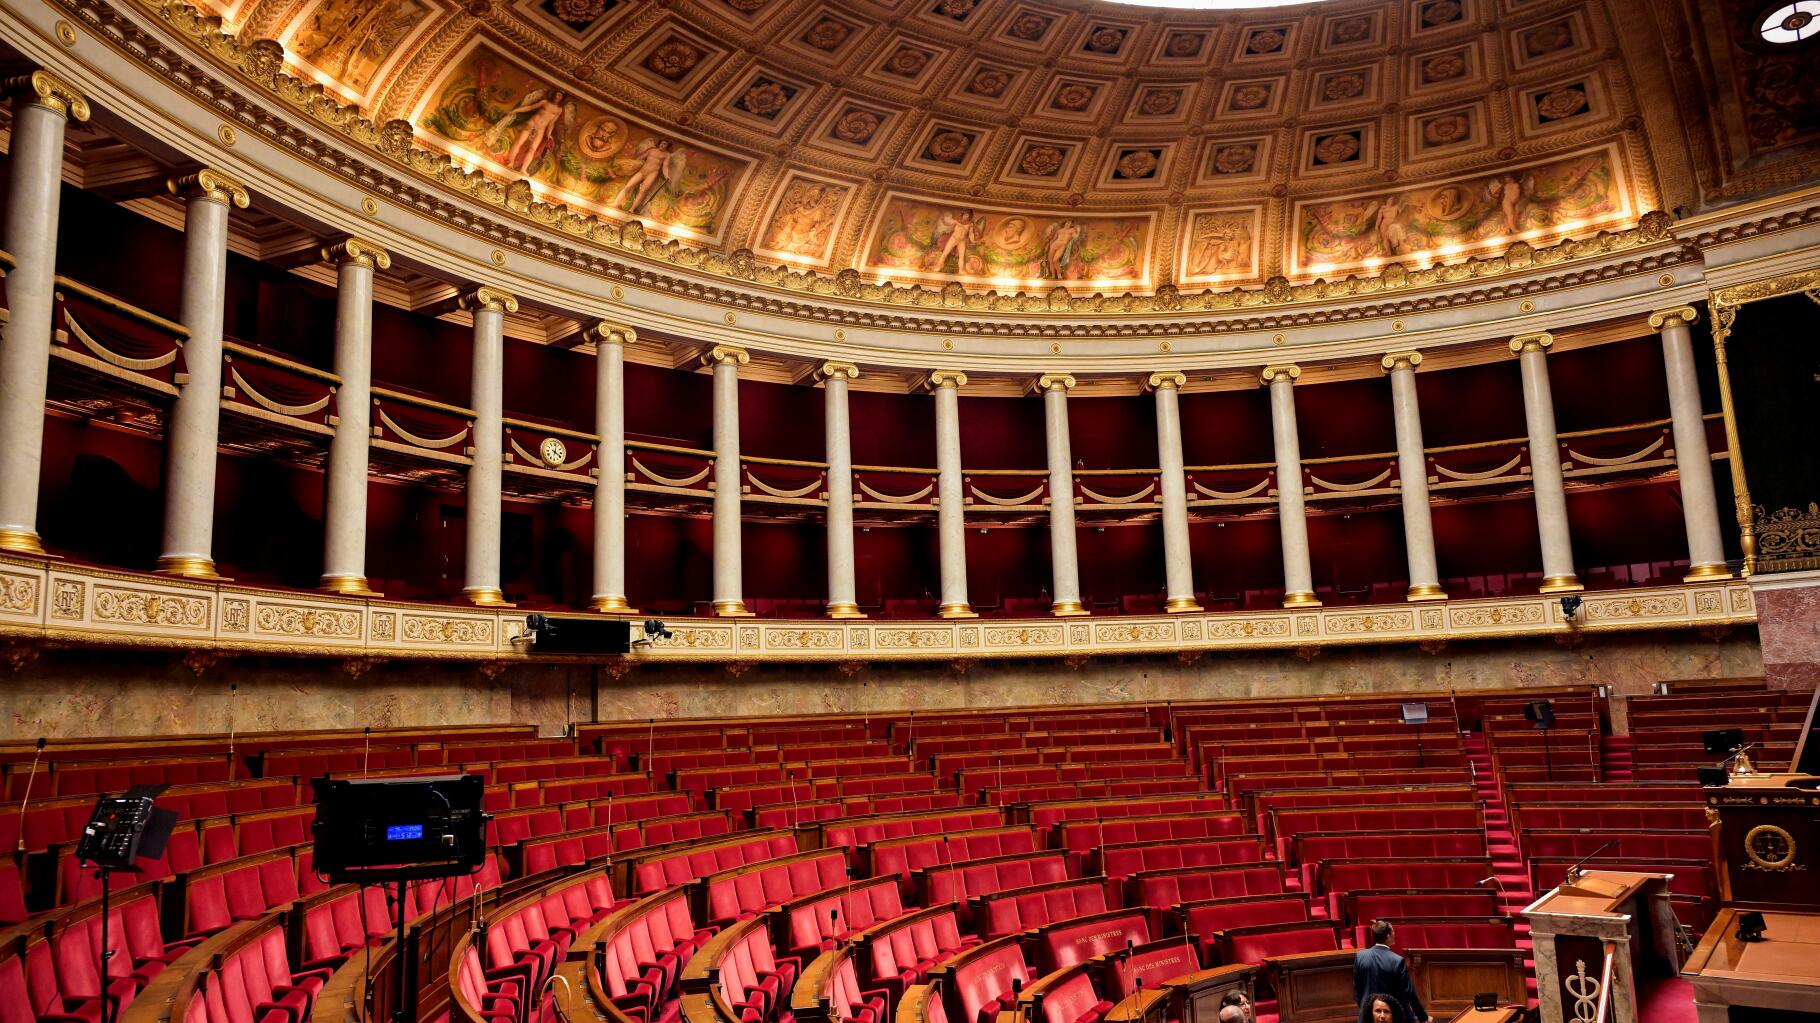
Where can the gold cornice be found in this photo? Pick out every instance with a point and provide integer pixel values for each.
(1286, 370)
(1167, 379)
(1054, 381)
(209, 185)
(606, 332)
(357, 250)
(837, 369)
(51, 91)
(491, 299)
(723, 355)
(1540, 341)
(1680, 316)
(1397, 360)
(946, 378)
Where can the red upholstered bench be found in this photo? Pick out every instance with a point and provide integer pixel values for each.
(1073, 1001)
(1080, 939)
(1045, 815)
(1154, 964)
(745, 891)
(1286, 824)
(1362, 907)
(1020, 909)
(977, 983)
(1666, 845)
(642, 949)
(1125, 860)
(748, 977)
(1426, 932)
(660, 869)
(1337, 877)
(897, 953)
(1256, 944)
(1309, 851)
(1209, 917)
(856, 831)
(1163, 888)
(963, 881)
(1084, 836)
(901, 856)
(815, 922)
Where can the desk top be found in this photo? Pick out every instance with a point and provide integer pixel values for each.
(1788, 954)
(1488, 1016)
(1598, 893)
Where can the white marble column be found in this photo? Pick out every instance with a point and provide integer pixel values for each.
(1064, 564)
(1292, 514)
(344, 527)
(951, 502)
(610, 341)
(489, 307)
(1545, 464)
(1693, 460)
(42, 106)
(843, 591)
(190, 440)
(729, 481)
(1412, 471)
(1172, 481)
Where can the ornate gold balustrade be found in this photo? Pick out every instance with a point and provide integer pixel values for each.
(52, 601)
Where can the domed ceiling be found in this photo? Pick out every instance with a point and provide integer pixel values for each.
(1021, 144)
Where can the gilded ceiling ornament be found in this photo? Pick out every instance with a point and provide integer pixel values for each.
(948, 146)
(1028, 27)
(1235, 159)
(1563, 102)
(1443, 68)
(1159, 102)
(1447, 128)
(827, 35)
(1267, 40)
(1074, 96)
(1183, 44)
(1346, 86)
(1337, 148)
(990, 82)
(1139, 163)
(1040, 160)
(1440, 13)
(673, 59)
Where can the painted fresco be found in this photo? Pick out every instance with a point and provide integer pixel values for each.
(1541, 201)
(349, 41)
(521, 125)
(803, 225)
(927, 239)
(1221, 245)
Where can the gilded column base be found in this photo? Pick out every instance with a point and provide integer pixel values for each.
(609, 605)
(185, 567)
(845, 609)
(1068, 609)
(1562, 584)
(956, 611)
(1706, 573)
(1426, 591)
(1300, 600)
(348, 586)
(485, 596)
(731, 609)
(1181, 606)
(21, 541)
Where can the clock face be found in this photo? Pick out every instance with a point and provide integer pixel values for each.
(1770, 847)
(553, 452)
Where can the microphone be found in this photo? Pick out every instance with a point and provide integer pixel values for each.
(28, 791)
(651, 741)
(233, 692)
(1493, 879)
(796, 808)
(1574, 873)
(834, 924)
(366, 755)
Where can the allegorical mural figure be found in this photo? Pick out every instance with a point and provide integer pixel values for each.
(349, 40)
(934, 240)
(508, 116)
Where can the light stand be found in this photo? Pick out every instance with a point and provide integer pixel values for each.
(118, 830)
(1541, 714)
(1417, 714)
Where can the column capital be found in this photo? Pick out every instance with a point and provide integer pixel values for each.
(209, 185)
(1679, 316)
(836, 369)
(1166, 379)
(1402, 360)
(723, 355)
(50, 91)
(491, 299)
(945, 378)
(1540, 341)
(1287, 370)
(606, 332)
(1051, 381)
(353, 249)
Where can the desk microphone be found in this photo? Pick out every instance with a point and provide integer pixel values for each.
(28, 791)
(1574, 873)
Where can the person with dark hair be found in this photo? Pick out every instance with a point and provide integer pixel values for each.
(1378, 1008)
(1235, 1007)
(1379, 972)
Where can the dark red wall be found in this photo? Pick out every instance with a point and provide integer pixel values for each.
(892, 429)
(1226, 427)
(1113, 433)
(1003, 433)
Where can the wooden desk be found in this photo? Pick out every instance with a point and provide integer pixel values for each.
(1780, 972)
(1489, 1016)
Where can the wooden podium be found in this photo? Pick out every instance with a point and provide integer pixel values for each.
(1592, 935)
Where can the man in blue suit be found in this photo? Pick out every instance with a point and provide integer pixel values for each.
(1379, 971)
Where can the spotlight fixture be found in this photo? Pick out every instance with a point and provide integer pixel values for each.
(1750, 926)
(1571, 604)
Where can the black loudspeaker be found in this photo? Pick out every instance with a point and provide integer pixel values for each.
(1723, 742)
(1415, 713)
(123, 828)
(578, 635)
(1541, 713)
(1712, 777)
(399, 829)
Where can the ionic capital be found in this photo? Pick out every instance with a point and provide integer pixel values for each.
(946, 378)
(1166, 380)
(1286, 370)
(606, 332)
(1680, 316)
(1053, 381)
(1541, 341)
(828, 370)
(357, 250)
(209, 185)
(490, 299)
(1402, 360)
(726, 355)
(50, 91)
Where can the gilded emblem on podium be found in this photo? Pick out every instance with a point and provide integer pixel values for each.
(1770, 848)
